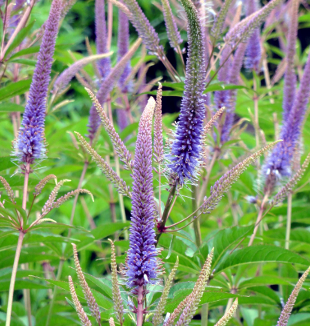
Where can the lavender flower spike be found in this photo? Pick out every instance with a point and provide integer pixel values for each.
(186, 147)
(104, 64)
(290, 76)
(29, 144)
(253, 51)
(142, 263)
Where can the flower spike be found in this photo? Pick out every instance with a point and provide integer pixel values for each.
(78, 307)
(8, 189)
(38, 188)
(225, 319)
(186, 147)
(158, 128)
(30, 141)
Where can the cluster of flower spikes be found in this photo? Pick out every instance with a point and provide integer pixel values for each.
(295, 106)
(141, 260)
(186, 147)
(30, 141)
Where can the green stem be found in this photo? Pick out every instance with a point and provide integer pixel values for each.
(196, 223)
(13, 277)
(289, 220)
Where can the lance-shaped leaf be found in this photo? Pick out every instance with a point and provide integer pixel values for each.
(39, 187)
(280, 196)
(145, 30)
(190, 304)
(225, 319)
(171, 26)
(65, 77)
(92, 304)
(219, 21)
(158, 128)
(8, 189)
(158, 314)
(290, 76)
(119, 183)
(243, 30)
(78, 307)
(186, 148)
(225, 182)
(107, 86)
(285, 314)
(120, 148)
(117, 299)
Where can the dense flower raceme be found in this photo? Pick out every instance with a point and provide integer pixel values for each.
(142, 263)
(186, 147)
(280, 160)
(253, 51)
(29, 144)
(104, 64)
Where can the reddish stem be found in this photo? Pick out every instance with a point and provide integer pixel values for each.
(140, 310)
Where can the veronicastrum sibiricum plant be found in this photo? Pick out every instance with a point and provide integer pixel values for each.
(153, 169)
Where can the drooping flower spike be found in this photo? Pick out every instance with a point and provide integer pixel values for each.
(186, 147)
(30, 141)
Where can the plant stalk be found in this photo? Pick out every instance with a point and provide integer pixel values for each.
(289, 220)
(140, 306)
(13, 277)
(196, 223)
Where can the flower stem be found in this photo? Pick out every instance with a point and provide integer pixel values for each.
(196, 223)
(13, 277)
(289, 220)
(140, 306)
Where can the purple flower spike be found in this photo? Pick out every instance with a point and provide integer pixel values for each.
(104, 65)
(253, 51)
(29, 144)
(280, 159)
(186, 149)
(290, 79)
(142, 262)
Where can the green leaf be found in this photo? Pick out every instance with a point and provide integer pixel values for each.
(31, 50)
(19, 38)
(27, 62)
(14, 89)
(11, 107)
(105, 230)
(128, 130)
(261, 254)
(222, 87)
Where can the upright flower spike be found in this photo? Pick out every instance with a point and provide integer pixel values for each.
(225, 319)
(186, 147)
(29, 144)
(279, 162)
(253, 51)
(290, 79)
(286, 312)
(145, 30)
(142, 262)
(104, 64)
(158, 128)
(171, 26)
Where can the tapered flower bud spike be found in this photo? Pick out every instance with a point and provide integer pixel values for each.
(117, 299)
(253, 51)
(285, 314)
(142, 262)
(8, 189)
(145, 30)
(158, 314)
(224, 183)
(78, 307)
(111, 322)
(118, 144)
(225, 319)
(65, 77)
(190, 304)
(107, 86)
(243, 30)
(219, 21)
(39, 187)
(29, 144)
(92, 304)
(280, 196)
(290, 76)
(172, 30)
(104, 64)
(158, 128)
(119, 184)
(186, 147)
